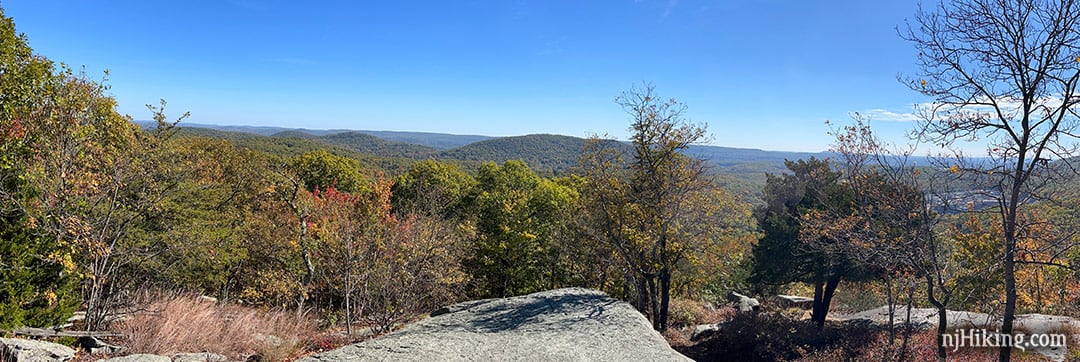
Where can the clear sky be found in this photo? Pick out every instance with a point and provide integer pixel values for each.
(761, 74)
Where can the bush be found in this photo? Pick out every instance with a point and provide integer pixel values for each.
(185, 323)
(684, 313)
(771, 336)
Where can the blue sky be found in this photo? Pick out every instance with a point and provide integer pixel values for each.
(761, 74)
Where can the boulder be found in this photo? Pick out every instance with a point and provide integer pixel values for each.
(93, 345)
(141, 357)
(794, 301)
(22, 350)
(571, 324)
(199, 357)
(704, 331)
(744, 303)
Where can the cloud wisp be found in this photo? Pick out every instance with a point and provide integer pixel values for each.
(885, 115)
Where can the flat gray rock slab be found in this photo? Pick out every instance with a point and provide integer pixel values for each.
(571, 324)
(198, 357)
(22, 350)
(139, 358)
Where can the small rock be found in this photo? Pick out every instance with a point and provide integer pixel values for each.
(77, 316)
(744, 303)
(96, 346)
(23, 350)
(704, 331)
(203, 298)
(199, 357)
(794, 301)
(141, 357)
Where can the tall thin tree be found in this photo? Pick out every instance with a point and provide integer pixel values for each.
(1006, 72)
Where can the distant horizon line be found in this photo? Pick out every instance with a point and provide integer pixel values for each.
(339, 130)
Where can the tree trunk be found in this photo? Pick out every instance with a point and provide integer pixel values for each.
(818, 314)
(824, 290)
(665, 294)
(891, 300)
(943, 317)
(830, 289)
(907, 325)
(1010, 296)
(348, 306)
(653, 308)
(641, 296)
(306, 254)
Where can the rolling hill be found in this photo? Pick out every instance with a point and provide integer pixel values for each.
(542, 152)
(438, 141)
(365, 143)
(741, 170)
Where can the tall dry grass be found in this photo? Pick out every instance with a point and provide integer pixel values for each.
(169, 324)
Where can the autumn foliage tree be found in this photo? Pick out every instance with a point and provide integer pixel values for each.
(892, 224)
(523, 228)
(651, 204)
(92, 180)
(792, 247)
(38, 277)
(433, 188)
(376, 265)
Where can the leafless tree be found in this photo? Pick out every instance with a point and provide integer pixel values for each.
(1005, 72)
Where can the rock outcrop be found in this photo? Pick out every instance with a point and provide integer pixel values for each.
(794, 301)
(22, 350)
(744, 303)
(571, 324)
(703, 331)
(93, 345)
(198, 357)
(141, 357)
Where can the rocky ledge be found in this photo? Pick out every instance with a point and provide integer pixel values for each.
(571, 324)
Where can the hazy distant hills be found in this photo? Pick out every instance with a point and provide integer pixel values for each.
(729, 156)
(741, 169)
(438, 141)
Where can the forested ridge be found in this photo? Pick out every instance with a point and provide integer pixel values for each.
(740, 171)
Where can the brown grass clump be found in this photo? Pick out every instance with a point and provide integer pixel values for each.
(184, 323)
(677, 338)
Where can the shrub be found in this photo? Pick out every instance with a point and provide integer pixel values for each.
(184, 323)
(685, 312)
(771, 336)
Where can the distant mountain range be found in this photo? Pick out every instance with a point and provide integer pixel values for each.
(509, 147)
(741, 169)
(438, 141)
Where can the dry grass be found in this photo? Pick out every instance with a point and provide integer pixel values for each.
(677, 337)
(175, 324)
